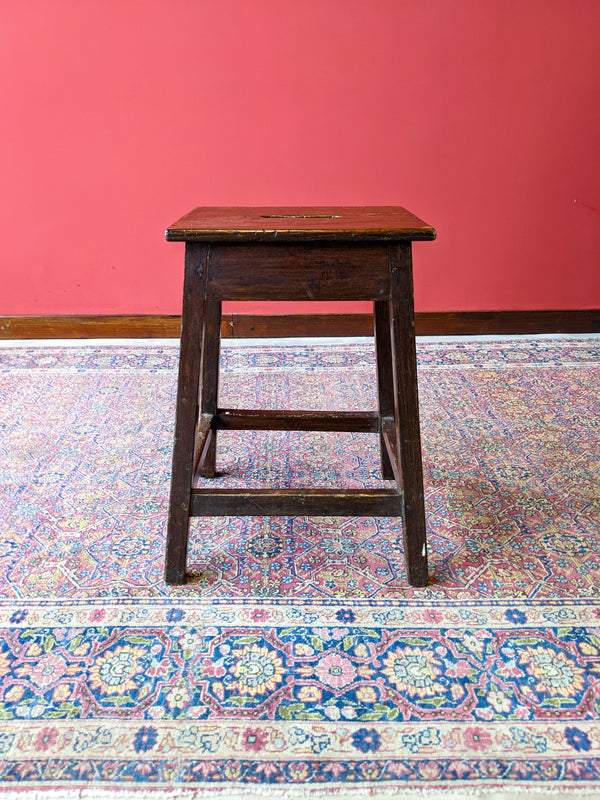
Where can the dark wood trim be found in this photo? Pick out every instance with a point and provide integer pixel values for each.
(458, 323)
(91, 327)
(243, 326)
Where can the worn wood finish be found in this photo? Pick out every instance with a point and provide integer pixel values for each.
(324, 271)
(389, 442)
(186, 413)
(337, 224)
(427, 323)
(258, 420)
(205, 435)
(244, 326)
(406, 418)
(295, 502)
(500, 323)
(104, 326)
(334, 254)
(385, 394)
(211, 347)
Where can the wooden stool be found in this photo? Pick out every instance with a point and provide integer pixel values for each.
(298, 254)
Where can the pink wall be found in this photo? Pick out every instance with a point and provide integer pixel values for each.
(481, 116)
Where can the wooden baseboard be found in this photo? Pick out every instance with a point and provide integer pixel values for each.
(497, 323)
(139, 326)
(241, 326)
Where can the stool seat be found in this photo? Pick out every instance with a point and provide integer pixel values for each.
(314, 253)
(348, 223)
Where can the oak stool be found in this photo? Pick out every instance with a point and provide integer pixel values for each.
(335, 254)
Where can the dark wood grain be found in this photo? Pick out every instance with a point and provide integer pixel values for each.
(406, 418)
(310, 271)
(500, 323)
(138, 326)
(260, 420)
(385, 394)
(186, 413)
(382, 223)
(295, 502)
(389, 441)
(244, 326)
(205, 435)
(295, 256)
(209, 385)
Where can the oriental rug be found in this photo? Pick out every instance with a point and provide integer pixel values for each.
(296, 661)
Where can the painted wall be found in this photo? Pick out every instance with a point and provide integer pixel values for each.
(481, 116)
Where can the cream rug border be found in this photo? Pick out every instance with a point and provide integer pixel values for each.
(520, 791)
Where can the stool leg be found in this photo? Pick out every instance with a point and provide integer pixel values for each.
(385, 393)
(406, 418)
(209, 385)
(186, 414)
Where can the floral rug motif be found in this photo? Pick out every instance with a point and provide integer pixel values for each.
(296, 657)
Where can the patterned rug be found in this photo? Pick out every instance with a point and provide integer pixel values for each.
(297, 661)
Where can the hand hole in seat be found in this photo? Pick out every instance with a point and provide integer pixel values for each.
(300, 216)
